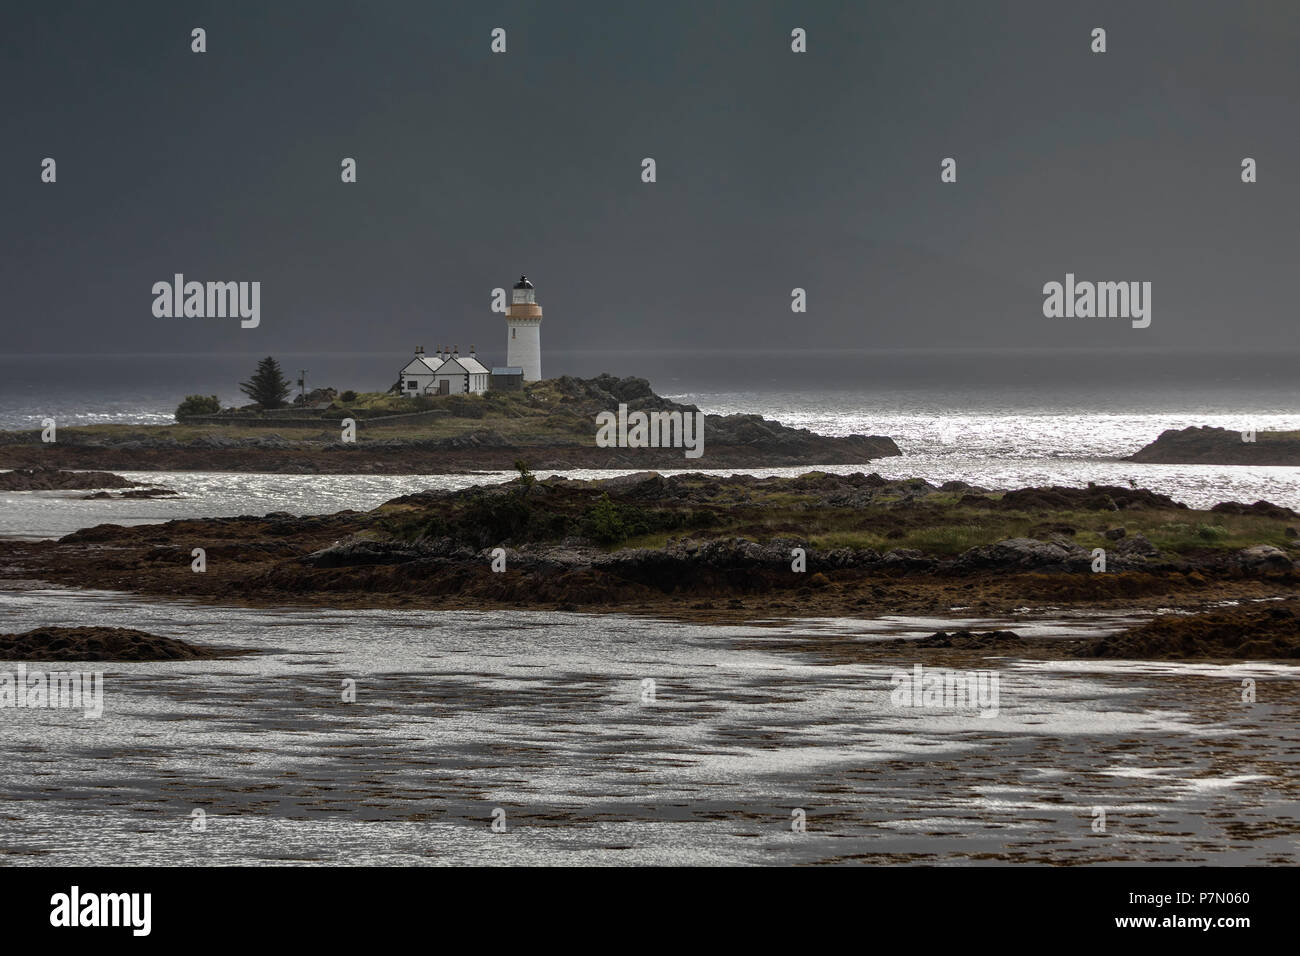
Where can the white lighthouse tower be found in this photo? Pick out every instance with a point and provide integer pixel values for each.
(524, 321)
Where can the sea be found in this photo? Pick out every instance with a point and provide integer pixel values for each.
(602, 739)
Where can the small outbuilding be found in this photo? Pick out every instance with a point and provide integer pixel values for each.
(509, 378)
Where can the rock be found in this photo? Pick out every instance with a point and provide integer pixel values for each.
(1137, 546)
(346, 554)
(1020, 554)
(101, 644)
(1265, 509)
(1093, 498)
(643, 484)
(1249, 632)
(908, 559)
(966, 639)
(213, 440)
(1114, 534)
(1263, 557)
(132, 493)
(44, 478)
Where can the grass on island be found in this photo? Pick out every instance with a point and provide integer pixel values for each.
(1175, 532)
(532, 417)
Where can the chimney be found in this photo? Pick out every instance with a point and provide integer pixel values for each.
(419, 350)
(471, 351)
(455, 350)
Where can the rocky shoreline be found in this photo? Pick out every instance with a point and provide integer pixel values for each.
(707, 548)
(470, 455)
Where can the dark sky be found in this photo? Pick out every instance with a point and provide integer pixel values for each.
(775, 170)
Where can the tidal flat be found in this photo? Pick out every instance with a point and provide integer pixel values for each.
(545, 717)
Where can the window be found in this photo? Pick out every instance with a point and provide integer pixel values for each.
(512, 332)
(412, 384)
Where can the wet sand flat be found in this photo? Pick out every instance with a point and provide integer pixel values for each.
(547, 717)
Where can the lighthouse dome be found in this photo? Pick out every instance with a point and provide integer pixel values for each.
(523, 283)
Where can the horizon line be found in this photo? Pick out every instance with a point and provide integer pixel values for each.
(830, 350)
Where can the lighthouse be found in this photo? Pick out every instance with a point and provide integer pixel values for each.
(524, 325)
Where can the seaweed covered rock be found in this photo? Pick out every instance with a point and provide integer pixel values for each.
(101, 644)
(1259, 632)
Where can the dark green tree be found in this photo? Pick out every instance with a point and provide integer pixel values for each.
(526, 478)
(604, 522)
(198, 405)
(268, 387)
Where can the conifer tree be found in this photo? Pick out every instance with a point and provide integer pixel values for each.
(268, 387)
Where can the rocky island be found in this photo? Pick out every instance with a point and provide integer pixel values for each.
(1219, 446)
(45, 478)
(709, 548)
(103, 644)
(551, 424)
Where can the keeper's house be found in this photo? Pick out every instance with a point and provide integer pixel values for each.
(446, 372)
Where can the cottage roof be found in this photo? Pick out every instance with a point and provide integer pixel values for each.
(466, 363)
(421, 365)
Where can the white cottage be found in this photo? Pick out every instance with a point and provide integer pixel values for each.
(462, 374)
(416, 378)
(446, 373)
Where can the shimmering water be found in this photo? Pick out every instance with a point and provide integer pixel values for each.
(545, 716)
